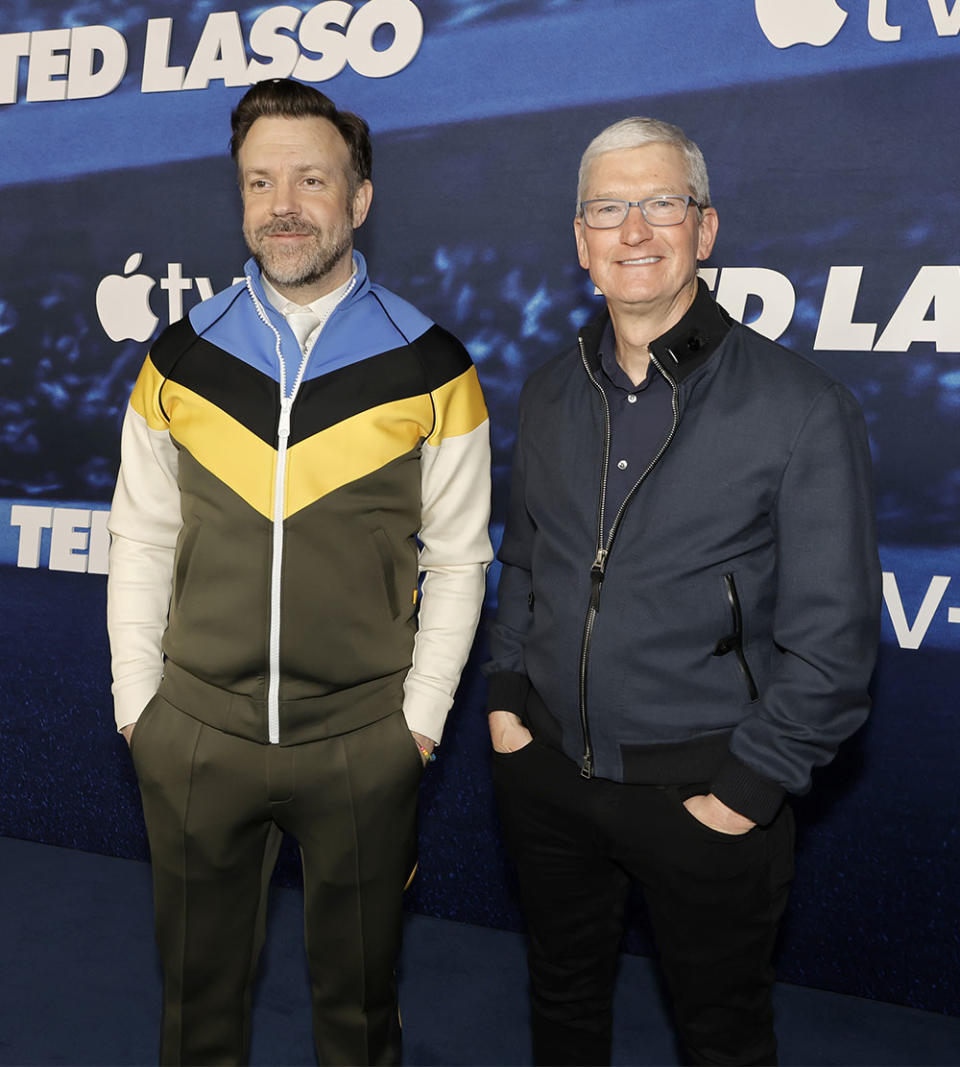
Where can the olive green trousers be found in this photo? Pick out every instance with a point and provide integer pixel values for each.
(216, 807)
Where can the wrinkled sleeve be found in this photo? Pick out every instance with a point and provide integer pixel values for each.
(507, 681)
(455, 552)
(144, 525)
(826, 623)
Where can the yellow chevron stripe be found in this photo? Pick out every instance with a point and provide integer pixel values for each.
(353, 448)
(227, 449)
(145, 396)
(460, 406)
(318, 465)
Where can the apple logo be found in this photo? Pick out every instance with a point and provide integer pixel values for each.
(790, 22)
(123, 303)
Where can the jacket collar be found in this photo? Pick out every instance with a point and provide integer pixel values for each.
(361, 282)
(685, 346)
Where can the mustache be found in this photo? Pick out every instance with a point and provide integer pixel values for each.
(294, 225)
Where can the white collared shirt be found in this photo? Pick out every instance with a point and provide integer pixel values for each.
(307, 320)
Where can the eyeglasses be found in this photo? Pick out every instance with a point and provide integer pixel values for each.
(657, 210)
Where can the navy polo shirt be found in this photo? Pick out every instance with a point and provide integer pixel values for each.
(640, 420)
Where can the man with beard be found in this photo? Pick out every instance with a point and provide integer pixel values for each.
(299, 547)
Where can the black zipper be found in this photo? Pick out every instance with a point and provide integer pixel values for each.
(599, 565)
(733, 642)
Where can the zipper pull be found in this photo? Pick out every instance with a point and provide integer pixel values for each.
(586, 768)
(596, 577)
(283, 427)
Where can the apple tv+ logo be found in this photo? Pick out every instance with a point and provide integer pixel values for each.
(123, 300)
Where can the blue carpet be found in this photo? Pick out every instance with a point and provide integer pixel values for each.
(79, 985)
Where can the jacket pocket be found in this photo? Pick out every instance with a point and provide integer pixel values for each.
(733, 642)
(184, 556)
(382, 544)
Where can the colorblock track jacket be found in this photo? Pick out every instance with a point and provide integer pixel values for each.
(299, 541)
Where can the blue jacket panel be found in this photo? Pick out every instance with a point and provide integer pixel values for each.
(358, 328)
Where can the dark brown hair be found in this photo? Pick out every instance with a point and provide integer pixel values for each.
(289, 99)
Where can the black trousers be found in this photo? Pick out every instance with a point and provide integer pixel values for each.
(216, 806)
(714, 900)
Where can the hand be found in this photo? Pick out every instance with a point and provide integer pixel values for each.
(127, 732)
(425, 742)
(507, 732)
(715, 814)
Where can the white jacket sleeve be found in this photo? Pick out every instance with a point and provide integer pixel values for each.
(144, 524)
(455, 553)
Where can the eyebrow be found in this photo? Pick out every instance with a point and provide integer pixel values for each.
(648, 196)
(304, 168)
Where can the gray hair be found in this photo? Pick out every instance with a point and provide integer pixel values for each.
(637, 131)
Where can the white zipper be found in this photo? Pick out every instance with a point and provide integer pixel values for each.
(279, 495)
(279, 488)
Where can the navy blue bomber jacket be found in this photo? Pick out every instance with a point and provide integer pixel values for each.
(725, 630)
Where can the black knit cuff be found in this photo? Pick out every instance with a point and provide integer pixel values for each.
(507, 691)
(747, 792)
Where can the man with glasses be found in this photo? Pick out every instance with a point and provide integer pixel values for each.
(688, 620)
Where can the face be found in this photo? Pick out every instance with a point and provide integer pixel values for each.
(299, 212)
(641, 268)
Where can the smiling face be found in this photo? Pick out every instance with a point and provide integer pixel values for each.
(643, 269)
(299, 205)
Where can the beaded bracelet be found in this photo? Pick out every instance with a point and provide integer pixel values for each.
(428, 757)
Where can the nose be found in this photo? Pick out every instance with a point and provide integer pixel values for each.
(634, 227)
(284, 199)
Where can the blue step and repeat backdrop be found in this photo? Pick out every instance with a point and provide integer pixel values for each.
(833, 139)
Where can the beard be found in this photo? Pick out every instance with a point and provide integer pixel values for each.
(295, 268)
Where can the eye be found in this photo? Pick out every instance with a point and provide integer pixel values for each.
(257, 183)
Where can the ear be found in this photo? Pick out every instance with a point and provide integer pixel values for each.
(362, 200)
(707, 233)
(582, 253)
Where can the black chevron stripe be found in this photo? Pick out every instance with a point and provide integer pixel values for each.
(253, 398)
